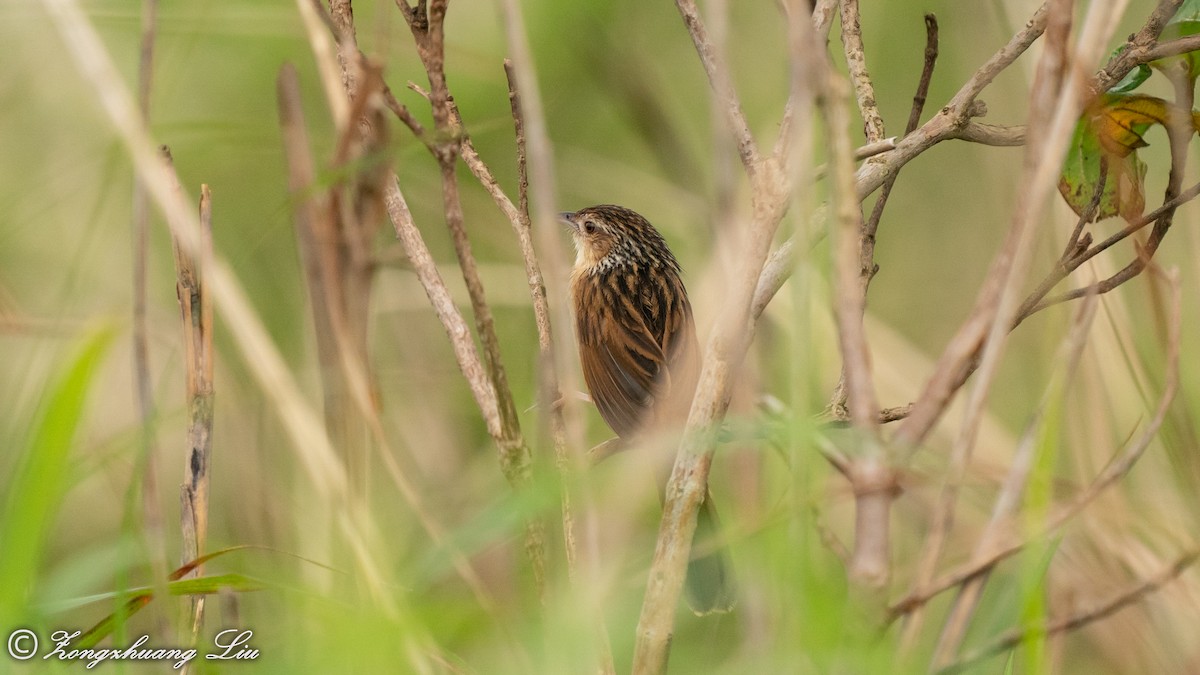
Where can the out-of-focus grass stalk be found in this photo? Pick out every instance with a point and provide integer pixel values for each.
(36, 489)
(299, 421)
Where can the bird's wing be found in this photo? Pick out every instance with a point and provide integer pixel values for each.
(668, 316)
(621, 360)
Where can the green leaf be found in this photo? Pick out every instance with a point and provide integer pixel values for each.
(40, 481)
(1132, 80)
(1124, 182)
(1106, 141)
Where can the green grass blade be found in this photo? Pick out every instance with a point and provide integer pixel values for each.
(41, 479)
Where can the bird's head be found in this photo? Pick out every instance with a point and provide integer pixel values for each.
(608, 236)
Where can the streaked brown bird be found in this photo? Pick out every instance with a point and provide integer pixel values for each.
(638, 351)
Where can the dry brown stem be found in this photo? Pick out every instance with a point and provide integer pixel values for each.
(196, 312)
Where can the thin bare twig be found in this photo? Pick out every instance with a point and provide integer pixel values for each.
(867, 266)
(957, 112)
(856, 59)
(152, 516)
(1176, 47)
(991, 134)
(519, 217)
(426, 24)
(721, 82)
(1000, 135)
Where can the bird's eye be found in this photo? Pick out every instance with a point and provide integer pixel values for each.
(589, 226)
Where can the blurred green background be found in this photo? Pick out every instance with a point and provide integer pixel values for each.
(629, 115)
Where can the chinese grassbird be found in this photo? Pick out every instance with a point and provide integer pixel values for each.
(638, 352)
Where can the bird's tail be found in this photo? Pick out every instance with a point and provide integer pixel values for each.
(710, 586)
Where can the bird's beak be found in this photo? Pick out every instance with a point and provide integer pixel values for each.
(568, 218)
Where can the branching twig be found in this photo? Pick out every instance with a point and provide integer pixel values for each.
(955, 120)
(958, 359)
(1179, 131)
(957, 112)
(1055, 105)
(991, 134)
(426, 22)
(1139, 48)
(1045, 100)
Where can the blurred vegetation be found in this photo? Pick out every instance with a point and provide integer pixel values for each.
(627, 105)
